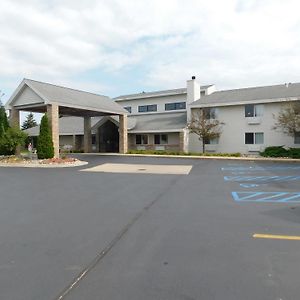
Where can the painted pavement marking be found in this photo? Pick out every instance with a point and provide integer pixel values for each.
(279, 168)
(249, 185)
(141, 169)
(275, 236)
(261, 178)
(278, 197)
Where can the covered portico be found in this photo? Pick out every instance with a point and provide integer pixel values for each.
(57, 101)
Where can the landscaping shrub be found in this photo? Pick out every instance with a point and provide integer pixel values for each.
(279, 151)
(294, 152)
(275, 151)
(10, 139)
(162, 152)
(44, 143)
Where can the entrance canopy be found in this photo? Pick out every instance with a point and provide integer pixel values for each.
(34, 96)
(57, 101)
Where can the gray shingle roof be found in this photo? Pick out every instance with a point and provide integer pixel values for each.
(156, 93)
(73, 98)
(159, 122)
(281, 91)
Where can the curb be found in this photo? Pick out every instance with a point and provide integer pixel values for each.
(49, 166)
(198, 157)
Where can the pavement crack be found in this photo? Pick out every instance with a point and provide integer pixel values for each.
(113, 242)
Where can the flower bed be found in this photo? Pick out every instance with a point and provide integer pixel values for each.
(67, 160)
(25, 160)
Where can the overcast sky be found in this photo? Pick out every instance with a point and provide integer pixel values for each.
(116, 47)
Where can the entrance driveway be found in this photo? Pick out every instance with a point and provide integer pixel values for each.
(68, 234)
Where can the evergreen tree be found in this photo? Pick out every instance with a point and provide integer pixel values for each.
(29, 122)
(44, 144)
(3, 119)
(10, 138)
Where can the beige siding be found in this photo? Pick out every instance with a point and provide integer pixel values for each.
(236, 125)
(160, 101)
(27, 96)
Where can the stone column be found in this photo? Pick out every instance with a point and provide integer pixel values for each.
(123, 138)
(52, 112)
(87, 138)
(97, 140)
(14, 118)
(74, 142)
(14, 121)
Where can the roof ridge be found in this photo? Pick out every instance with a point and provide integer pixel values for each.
(157, 91)
(65, 87)
(255, 87)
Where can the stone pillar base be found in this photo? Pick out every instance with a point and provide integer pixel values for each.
(87, 138)
(52, 112)
(123, 137)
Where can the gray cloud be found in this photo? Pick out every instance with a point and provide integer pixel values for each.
(232, 43)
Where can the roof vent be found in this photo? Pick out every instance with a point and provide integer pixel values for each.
(287, 84)
(193, 77)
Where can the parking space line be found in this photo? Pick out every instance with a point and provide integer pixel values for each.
(275, 236)
(279, 197)
(261, 178)
(281, 168)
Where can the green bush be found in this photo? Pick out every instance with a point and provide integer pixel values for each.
(294, 152)
(10, 139)
(279, 151)
(162, 152)
(275, 151)
(44, 143)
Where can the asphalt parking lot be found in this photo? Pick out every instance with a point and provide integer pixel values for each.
(222, 230)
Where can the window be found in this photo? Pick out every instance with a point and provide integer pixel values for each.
(128, 108)
(210, 113)
(141, 139)
(160, 139)
(175, 106)
(254, 138)
(147, 108)
(297, 138)
(252, 110)
(211, 141)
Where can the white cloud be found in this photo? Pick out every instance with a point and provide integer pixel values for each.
(231, 43)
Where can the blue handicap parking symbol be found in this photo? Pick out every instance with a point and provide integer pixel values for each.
(279, 197)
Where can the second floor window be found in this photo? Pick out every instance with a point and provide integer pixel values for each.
(252, 110)
(147, 108)
(210, 112)
(175, 106)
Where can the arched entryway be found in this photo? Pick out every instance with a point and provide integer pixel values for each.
(108, 137)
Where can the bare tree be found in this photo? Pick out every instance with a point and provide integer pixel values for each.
(288, 118)
(205, 127)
